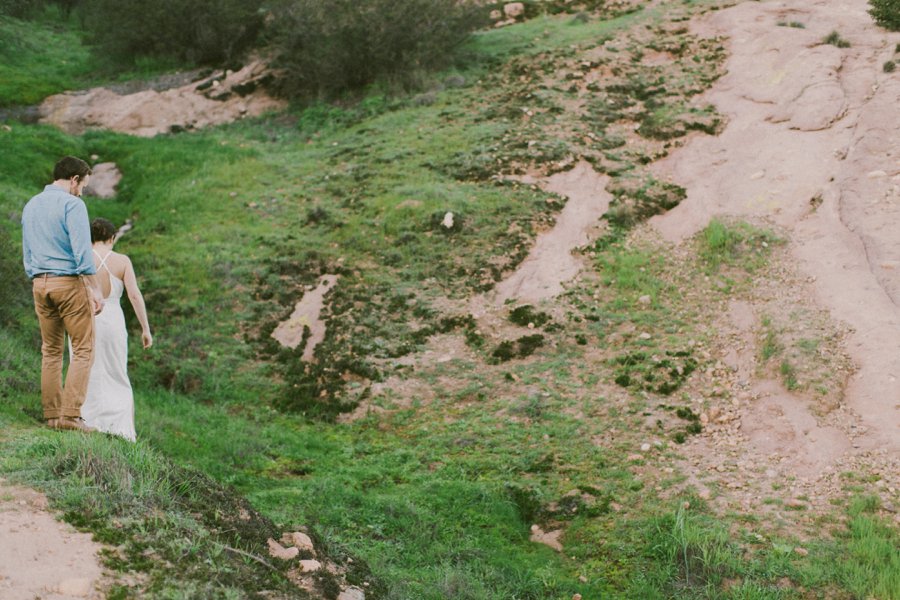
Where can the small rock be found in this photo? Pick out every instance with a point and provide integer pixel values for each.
(801, 551)
(514, 10)
(645, 447)
(352, 593)
(576, 596)
(876, 174)
(644, 299)
(496, 15)
(645, 336)
(300, 540)
(634, 457)
(309, 566)
(758, 175)
(276, 550)
(795, 503)
(448, 221)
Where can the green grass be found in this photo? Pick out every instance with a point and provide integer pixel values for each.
(38, 58)
(188, 534)
(435, 498)
(738, 244)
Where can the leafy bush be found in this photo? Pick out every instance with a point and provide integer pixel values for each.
(326, 48)
(196, 31)
(20, 8)
(886, 13)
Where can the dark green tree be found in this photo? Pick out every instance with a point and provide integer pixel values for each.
(194, 31)
(326, 48)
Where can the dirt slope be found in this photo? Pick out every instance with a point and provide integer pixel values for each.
(41, 557)
(812, 144)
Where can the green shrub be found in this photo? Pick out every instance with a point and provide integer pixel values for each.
(890, 66)
(886, 13)
(326, 48)
(198, 31)
(20, 8)
(834, 38)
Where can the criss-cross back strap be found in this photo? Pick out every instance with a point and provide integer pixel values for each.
(103, 261)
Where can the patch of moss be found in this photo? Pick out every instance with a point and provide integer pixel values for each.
(642, 371)
(524, 346)
(526, 314)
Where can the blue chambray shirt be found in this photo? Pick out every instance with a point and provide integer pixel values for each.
(56, 234)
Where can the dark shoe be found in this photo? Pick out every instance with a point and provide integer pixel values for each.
(74, 424)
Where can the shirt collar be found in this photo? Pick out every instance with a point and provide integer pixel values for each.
(51, 186)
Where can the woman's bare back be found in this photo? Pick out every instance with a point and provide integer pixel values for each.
(115, 264)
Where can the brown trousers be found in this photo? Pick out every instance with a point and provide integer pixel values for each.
(63, 305)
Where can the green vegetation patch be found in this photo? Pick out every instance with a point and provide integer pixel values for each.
(521, 348)
(38, 59)
(641, 370)
(834, 38)
(735, 244)
(525, 315)
(886, 13)
(189, 535)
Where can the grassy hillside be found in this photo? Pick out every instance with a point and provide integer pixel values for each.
(433, 492)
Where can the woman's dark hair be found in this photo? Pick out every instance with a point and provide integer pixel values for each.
(69, 166)
(102, 230)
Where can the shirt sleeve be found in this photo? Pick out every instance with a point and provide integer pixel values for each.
(80, 237)
(26, 252)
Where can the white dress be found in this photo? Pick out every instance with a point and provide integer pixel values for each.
(109, 404)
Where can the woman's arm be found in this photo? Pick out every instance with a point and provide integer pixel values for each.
(137, 302)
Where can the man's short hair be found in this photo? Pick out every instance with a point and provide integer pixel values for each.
(102, 230)
(69, 166)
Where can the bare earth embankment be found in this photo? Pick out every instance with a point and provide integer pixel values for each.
(812, 145)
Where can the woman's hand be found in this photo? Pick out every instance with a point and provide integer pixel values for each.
(146, 339)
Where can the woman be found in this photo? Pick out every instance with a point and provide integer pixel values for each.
(109, 405)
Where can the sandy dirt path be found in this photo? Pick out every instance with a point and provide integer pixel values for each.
(41, 557)
(813, 145)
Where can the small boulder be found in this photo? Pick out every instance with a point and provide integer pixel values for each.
(514, 10)
(104, 179)
(276, 550)
(309, 566)
(447, 223)
(352, 593)
(299, 540)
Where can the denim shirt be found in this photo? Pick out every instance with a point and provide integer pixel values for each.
(56, 234)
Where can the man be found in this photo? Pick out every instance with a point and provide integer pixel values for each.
(56, 247)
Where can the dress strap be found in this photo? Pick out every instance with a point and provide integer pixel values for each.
(103, 260)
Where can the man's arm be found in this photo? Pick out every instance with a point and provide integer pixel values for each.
(26, 255)
(80, 238)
